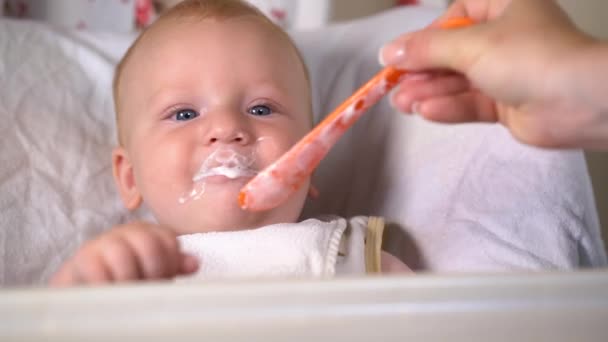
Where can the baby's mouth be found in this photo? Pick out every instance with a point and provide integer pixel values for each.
(232, 172)
(223, 164)
(226, 162)
(227, 165)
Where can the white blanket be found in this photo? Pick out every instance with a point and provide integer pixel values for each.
(465, 198)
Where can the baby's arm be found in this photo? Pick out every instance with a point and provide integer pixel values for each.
(391, 264)
(135, 251)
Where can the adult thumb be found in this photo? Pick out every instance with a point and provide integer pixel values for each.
(454, 49)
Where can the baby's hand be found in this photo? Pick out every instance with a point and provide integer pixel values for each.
(135, 251)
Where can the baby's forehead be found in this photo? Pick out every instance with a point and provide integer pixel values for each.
(172, 29)
(183, 37)
(168, 39)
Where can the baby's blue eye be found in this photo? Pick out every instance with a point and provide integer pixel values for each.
(260, 110)
(185, 115)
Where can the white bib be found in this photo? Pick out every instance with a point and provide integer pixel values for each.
(312, 248)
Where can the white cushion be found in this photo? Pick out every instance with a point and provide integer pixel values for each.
(464, 198)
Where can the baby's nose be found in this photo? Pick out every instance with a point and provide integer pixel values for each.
(228, 129)
(228, 137)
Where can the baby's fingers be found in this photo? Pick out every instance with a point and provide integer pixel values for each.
(85, 268)
(157, 252)
(189, 264)
(121, 261)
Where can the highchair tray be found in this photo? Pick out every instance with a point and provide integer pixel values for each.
(516, 307)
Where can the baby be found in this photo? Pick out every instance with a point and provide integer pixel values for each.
(207, 96)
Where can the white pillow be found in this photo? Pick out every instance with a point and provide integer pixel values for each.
(57, 129)
(464, 198)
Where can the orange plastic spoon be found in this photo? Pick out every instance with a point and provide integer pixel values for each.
(277, 182)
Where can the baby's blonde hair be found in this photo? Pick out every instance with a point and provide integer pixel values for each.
(198, 9)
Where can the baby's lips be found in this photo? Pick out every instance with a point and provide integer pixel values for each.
(227, 157)
(230, 172)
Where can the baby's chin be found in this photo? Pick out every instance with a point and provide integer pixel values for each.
(222, 221)
(217, 209)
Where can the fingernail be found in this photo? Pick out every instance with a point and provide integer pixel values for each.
(391, 54)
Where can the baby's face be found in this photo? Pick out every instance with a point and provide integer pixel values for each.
(205, 105)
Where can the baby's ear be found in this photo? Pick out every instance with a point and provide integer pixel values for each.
(124, 178)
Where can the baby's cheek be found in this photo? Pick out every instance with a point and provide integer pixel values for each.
(269, 148)
(162, 192)
(163, 175)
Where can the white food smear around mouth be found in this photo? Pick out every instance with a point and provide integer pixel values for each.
(226, 171)
(196, 193)
(224, 161)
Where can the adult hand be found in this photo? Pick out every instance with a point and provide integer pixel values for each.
(523, 64)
